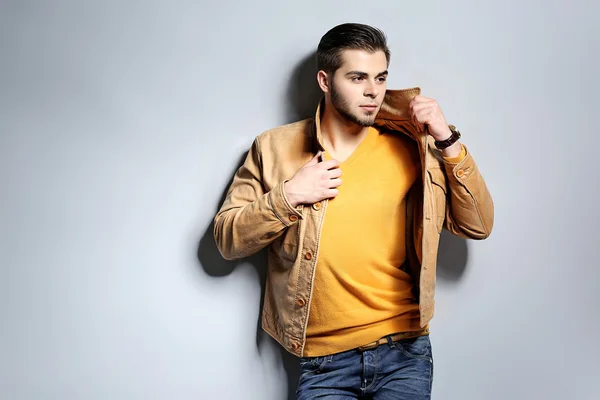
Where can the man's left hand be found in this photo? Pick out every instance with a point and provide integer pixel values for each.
(425, 110)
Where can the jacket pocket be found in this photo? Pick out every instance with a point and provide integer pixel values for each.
(286, 246)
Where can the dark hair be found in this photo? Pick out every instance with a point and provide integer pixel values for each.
(345, 37)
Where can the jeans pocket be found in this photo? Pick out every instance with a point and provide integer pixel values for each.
(313, 364)
(419, 347)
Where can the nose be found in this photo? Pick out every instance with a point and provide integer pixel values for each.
(371, 90)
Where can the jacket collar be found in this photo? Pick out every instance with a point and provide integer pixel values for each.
(393, 114)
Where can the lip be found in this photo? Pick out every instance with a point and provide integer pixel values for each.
(370, 107)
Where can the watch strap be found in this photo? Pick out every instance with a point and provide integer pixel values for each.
(450, 141)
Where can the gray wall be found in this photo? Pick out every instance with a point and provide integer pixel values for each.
(121, 125)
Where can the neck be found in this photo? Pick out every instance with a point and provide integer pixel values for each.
(339, 133)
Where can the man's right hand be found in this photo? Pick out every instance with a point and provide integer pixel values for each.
(314, 182)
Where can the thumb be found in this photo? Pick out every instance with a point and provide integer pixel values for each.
(314, 160)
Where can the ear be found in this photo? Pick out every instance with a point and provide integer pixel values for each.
(323, 80)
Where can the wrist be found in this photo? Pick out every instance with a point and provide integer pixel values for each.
(447, 134)
(289, 194)
(450, 140)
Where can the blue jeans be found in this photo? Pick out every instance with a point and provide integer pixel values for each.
(395, 370)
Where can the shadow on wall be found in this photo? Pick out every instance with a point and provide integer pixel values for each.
(303, 93)
(452, 257)
(303, 96)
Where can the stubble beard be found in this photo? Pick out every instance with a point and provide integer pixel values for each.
(343, 108)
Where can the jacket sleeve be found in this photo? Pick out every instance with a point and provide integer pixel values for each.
(250, 218)
(470, 209)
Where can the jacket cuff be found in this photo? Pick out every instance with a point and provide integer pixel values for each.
(462, 169)
(458, 158)
(281, 206)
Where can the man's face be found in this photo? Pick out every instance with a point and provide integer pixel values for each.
(357, 88)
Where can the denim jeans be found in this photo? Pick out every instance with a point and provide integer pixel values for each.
(395, 370)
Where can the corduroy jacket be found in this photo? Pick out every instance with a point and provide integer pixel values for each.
(257, 214)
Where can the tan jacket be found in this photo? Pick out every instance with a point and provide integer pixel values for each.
(256, 214)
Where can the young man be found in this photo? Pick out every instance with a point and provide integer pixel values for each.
(351, 204)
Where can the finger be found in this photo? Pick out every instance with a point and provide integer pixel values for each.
(334, 173)
(419, 112)
(423, 117)
(418, 99)
(329, 164)
(331, 193)
(416, 123)
(314, 160)
(333, 183)
(422, 106)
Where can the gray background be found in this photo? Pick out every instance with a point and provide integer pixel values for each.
(122, 123)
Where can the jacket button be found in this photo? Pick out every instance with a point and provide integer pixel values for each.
(316, 206)
(295, 346)
(301, 302)
(293, 218)
(308, 255)
(460, 173)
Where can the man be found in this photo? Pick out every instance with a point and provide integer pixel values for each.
(351, 204)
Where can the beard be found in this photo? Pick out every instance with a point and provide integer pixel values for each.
(343, 107)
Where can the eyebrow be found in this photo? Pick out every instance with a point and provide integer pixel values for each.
(364, 74)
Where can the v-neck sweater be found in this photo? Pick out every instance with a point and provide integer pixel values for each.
(361, 293)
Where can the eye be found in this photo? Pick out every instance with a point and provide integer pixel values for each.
(357, 78)
(382, 79)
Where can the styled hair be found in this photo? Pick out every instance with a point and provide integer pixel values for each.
(349, 36)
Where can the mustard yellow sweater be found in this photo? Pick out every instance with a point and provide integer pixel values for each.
(360, 293)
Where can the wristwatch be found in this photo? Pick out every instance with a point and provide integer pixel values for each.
(450, 141)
